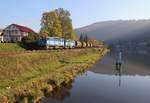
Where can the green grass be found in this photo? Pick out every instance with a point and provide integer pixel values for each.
(20, 71)
(10, 47)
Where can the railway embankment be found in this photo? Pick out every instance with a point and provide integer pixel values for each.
(27, 77)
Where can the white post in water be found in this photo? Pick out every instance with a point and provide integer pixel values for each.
(119, 60)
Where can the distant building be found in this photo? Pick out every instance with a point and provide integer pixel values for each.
(15, 33)
(1, 36)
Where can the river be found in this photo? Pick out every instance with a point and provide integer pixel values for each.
(103, 83)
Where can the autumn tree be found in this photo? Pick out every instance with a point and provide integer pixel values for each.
(66, 24)
(51, 25)
(57, 23)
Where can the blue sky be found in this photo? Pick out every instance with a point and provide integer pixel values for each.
(84, 12)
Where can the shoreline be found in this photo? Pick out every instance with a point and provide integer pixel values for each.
(35, 88)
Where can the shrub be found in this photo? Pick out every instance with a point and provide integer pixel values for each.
(30, 41)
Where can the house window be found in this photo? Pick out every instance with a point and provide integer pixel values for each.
(16, 32)
(9, 32)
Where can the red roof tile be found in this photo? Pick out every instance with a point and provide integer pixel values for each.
(23, 28)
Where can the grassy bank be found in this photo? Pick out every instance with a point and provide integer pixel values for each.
(26, 77)
(10, 47)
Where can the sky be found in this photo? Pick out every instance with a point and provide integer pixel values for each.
(83, 12)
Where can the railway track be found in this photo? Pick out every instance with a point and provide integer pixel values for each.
(13, 53)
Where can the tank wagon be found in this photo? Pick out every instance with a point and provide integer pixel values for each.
(78, 44)
(69, 43)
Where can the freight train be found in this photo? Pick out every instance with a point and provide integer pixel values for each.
(57, 42)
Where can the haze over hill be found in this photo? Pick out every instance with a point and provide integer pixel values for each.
(118, 30)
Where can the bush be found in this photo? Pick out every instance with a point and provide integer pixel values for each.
(30, 41)
(32, 37)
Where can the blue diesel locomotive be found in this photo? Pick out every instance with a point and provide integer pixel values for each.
(56, 42)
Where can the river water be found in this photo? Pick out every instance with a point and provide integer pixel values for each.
(103, 83)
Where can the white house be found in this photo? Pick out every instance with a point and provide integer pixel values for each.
(1, 36)
(15, 33)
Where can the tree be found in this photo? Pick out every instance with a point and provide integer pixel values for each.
(66, 24)
(86, 38)
(30, 41)
(51, 25)
(57, 23)
(44, 32)
(81, 37)
(32, 37)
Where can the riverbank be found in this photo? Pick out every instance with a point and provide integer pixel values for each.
(28, 76)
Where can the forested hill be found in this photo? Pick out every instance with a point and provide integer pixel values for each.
(118, 30)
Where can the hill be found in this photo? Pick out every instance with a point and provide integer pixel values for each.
(118, 30)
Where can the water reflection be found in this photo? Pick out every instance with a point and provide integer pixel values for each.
(119, 60)
(101, 88)
(109, 81)
(118, 66)
(118, 74)
(132, 64)
(62, 92)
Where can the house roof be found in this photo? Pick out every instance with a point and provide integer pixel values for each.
(23, 28)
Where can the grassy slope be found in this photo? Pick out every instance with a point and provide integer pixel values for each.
(10, 47)
(32, 68)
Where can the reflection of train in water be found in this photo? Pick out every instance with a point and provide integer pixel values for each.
(56, 42)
